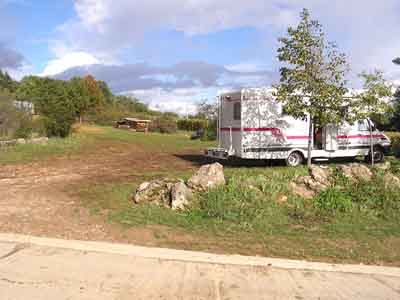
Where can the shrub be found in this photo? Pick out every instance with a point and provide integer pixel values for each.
(366, 197)
(395, 138)
(164, 125)
(57, 128)
(192, 124)
(210, 132)
(25, 127)
(333, 201)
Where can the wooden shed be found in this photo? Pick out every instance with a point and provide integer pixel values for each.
(134, 124)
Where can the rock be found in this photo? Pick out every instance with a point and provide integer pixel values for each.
(180, 196)
(282, 199)
(320, 174)
(356, 172)
(207, 177)
(391, 180)
(8, 143)
(39, 141)
(21, 141)
(302, 190)
(308, 186)
(156, 191)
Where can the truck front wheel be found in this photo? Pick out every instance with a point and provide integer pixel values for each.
(294, 159)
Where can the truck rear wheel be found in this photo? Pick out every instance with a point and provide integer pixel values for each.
(379, 155)
(294, 159)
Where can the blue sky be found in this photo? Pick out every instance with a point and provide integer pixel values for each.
(172, 53)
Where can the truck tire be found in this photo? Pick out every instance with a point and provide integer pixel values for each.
(294, 159)
(379, 155)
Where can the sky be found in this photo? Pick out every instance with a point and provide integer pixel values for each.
(173, 53)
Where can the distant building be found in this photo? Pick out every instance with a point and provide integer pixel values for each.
(26, 106)
(134, 124)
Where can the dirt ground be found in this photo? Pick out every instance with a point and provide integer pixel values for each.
(33, 197)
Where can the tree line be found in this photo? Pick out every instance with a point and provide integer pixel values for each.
(61, 103)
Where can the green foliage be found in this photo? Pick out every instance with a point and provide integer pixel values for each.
(53, 103)
(25, 128)
(210, 132)
(395, 139)
(164, 124)
(8, 114)
(192, 124)
(232, 202)
(7, 83)
(79, 94)
(376, 199)
(313, 79)
(333, 201)
(376, 90)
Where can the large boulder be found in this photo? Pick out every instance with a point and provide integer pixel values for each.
(157, 191)
(356, 172)
(302, 190)
(207, 177)
(308, 186)
(180, 196)
(321, 174)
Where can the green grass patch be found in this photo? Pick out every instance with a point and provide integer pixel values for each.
(89, 138)
(247, 214)
(55, 147)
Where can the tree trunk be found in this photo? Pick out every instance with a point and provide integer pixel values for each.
(310, 141)
(80, 119)
(371, 144)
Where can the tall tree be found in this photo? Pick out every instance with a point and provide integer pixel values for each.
(373, 100)
(79, 94)
(97, 99)
(312, 81)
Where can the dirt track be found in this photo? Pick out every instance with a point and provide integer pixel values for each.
(33, 198)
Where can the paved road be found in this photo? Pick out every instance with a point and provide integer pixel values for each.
(38, 268)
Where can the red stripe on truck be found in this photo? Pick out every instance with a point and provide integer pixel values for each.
(277, 132)
(359, 136)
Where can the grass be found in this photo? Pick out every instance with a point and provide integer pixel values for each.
(241, 219)
(89, 138)
(254, 214)
(55, 147)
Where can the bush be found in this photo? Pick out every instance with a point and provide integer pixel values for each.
(192, 124)
(374, 198)
(333, 201)
(25, 128)
(210, 132)
(58, 128)
(395, 138)
(164, 125)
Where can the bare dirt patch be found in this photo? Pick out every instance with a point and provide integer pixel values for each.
(33, 197)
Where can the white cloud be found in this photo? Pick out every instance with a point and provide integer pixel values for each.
(362, 27)
(67, 61)
(246, 67)
(180, 100)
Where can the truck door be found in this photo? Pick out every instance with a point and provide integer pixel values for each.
(331, 133)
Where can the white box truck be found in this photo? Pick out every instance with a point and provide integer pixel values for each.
(252, 125)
